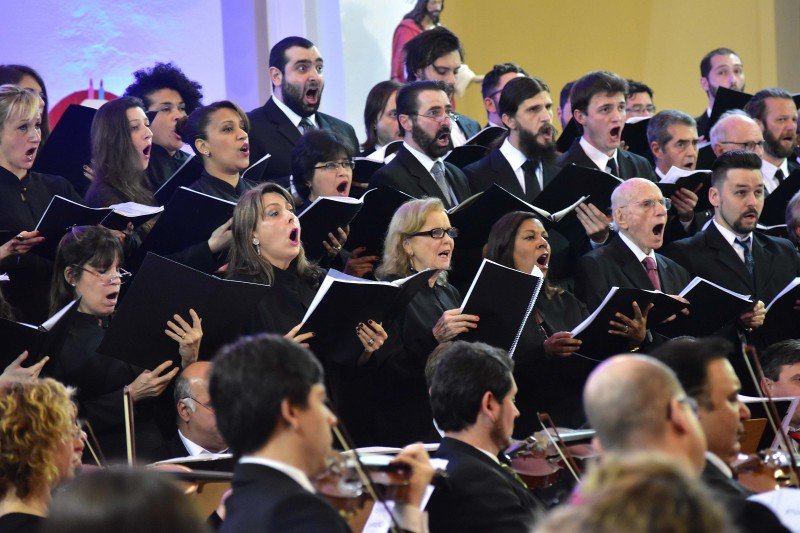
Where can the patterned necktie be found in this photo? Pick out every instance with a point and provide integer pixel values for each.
(529, 169)
(612, 167)
(441, 181)
(652, 272)
(306, 125)
(748, 255)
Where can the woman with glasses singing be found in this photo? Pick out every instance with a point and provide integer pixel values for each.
(88, 266)
(322, 165)
(419, 237)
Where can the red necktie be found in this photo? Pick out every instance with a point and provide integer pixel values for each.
(652, 272)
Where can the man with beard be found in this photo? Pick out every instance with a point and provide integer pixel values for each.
(525, 163)
(423, 113)
(295, 69)
(718, 68)
(437, 55)
(728, 251)
(776, 113)
(472, 396)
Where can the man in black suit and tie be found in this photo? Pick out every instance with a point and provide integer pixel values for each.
(272, 410)
(720, 67)
(295, 69)
(775, 112)
(706, 375)
(423, 112)
(472, 396)
(492, 86)
(437, 55)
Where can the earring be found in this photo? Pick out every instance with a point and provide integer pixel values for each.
(257, 244)
(208, 154)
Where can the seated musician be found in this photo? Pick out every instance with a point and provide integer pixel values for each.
(272, 410)
(472, 395)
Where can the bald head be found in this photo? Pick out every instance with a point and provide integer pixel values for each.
(197, 419)
(639, 213)
(736, 130)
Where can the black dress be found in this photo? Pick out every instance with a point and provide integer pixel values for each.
(22, 203)
(100, 381)
(162, 165)
(213, 186)
(20, 523)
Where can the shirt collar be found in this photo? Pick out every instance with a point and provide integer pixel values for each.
(295, 473)
(193, 448)
(660, 174)
(768, 170)
(598, 158)
(293, 117)
(640, 255)
(720, 464)
(424, 160)
(728, 235)
(512, 154)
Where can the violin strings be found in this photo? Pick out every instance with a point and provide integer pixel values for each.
(558, 449)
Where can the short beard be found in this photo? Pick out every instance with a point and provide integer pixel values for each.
(294, 99)
(532, 149)
(428, 144)
(772, 145)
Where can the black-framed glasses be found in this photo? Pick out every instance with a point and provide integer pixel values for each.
(437, 233)
(201, 403)
(750, 146)
(438, 115)
(649, 205)
(108, 278)
(333, 166)
(641, 109)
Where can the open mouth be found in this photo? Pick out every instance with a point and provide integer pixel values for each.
(444, 254)
(294, 236)
(146, 150)
(112, 297)
(615, 132)
(312, 95)
(444, 137)
(658, 229)
(30, 153)
(245, 150)
(543, 260)
(342, 187)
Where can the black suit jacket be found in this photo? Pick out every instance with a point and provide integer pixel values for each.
(467, 126)
(616, 265)
(271, 132)
(702, 125)
(630, 165)
(480, 495)
(495, 168)
(267, 500)
(406, 174)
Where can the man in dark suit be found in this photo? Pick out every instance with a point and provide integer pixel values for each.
(492, 86)
(272, 410)
(295, 69)
(630, 259)
(437, 55)
(775, 112)
(625, 399)
(705, 373)
(472, 396)
(720, 67)
(418, 168)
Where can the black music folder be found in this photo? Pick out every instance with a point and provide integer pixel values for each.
(162, 288)
(774, 211)
(781, 315)
(69, 147)
(62, 214)
(488, 136)
(574, 182)
(598, 342)
(503, 298)
(725, 100)
(369, 226)
(697, 181)
(571, 132)
(255, 172)
(187, 173)
(40, 341)
(714, 306)
(323, 216)
(343, 301)
(466, 154)
(634, 135)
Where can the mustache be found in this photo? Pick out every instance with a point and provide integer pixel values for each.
(443, 130)
(547, 128)
(750, 211)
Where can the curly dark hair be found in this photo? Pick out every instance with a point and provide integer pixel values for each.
(165, 76)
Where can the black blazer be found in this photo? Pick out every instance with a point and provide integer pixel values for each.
(495, 168)
(630, 164)
(616, 265)
(702, 125)
(406, 174)
(480, 495)
(271, 132)
(467, 126)
(267, 500)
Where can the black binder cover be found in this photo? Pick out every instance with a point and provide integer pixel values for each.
(634, 135)
(781, 315)
(187, 173)
(725, 100)
(467, 154)
(691, 182)
(69, 147)
(163, 288)
(488, 136)
(40, 341)
(571, 132)
(573, 182)
(370, 225)
(323, 216)
(774, 211)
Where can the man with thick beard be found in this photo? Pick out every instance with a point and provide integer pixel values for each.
(776, 113)
(423, 113)
(295, 69)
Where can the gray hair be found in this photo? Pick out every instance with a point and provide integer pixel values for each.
(716, 135)
(658, 127)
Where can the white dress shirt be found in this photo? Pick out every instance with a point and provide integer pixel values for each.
(730, 236)
(768, 170)
(294, 117)
(428, 163)
(598, 158)
(516, 159)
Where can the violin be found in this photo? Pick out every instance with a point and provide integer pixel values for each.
(763, 471)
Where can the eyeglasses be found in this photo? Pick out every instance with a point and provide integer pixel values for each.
(649, 205)
(108, 278)
(333, 166)
(437, 233)
(201, 403)
(438, 115)
(750, 146)
(690, 402)
(641, 109)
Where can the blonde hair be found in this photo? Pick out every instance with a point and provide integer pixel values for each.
(36, 417)
(408, 219)
(16, 101)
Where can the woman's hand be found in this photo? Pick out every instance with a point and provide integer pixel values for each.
(16, 372)
(453, 323)
(334, 244)
(221, 237)
(634, 329)
(187, 336)
(561, 344)
(372, 336)
(299, 339)
(21, 244)
(594, 222)
(150, 384)
(360, 266)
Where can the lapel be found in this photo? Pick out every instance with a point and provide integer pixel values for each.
(668, 281)
(763, 264)
(506, 177)
(630, 267)
(549, 171)
(418, 173)
(727, 258)
(579, 157)
(282, 123)
(626, 167)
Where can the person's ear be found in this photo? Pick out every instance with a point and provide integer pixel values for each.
(509, 121)
(202, 146)
(289, 414)
(184, 413)
(275, 76)
(69, 275)
(579, 116)
(704, 84)
(714, 196)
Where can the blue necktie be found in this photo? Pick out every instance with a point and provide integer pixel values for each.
(748, 255)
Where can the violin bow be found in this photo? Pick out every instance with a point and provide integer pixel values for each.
(130, 443)
(96, 451)
(565, 454)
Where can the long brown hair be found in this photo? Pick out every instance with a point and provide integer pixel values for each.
(243, 259)
(115, 160)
